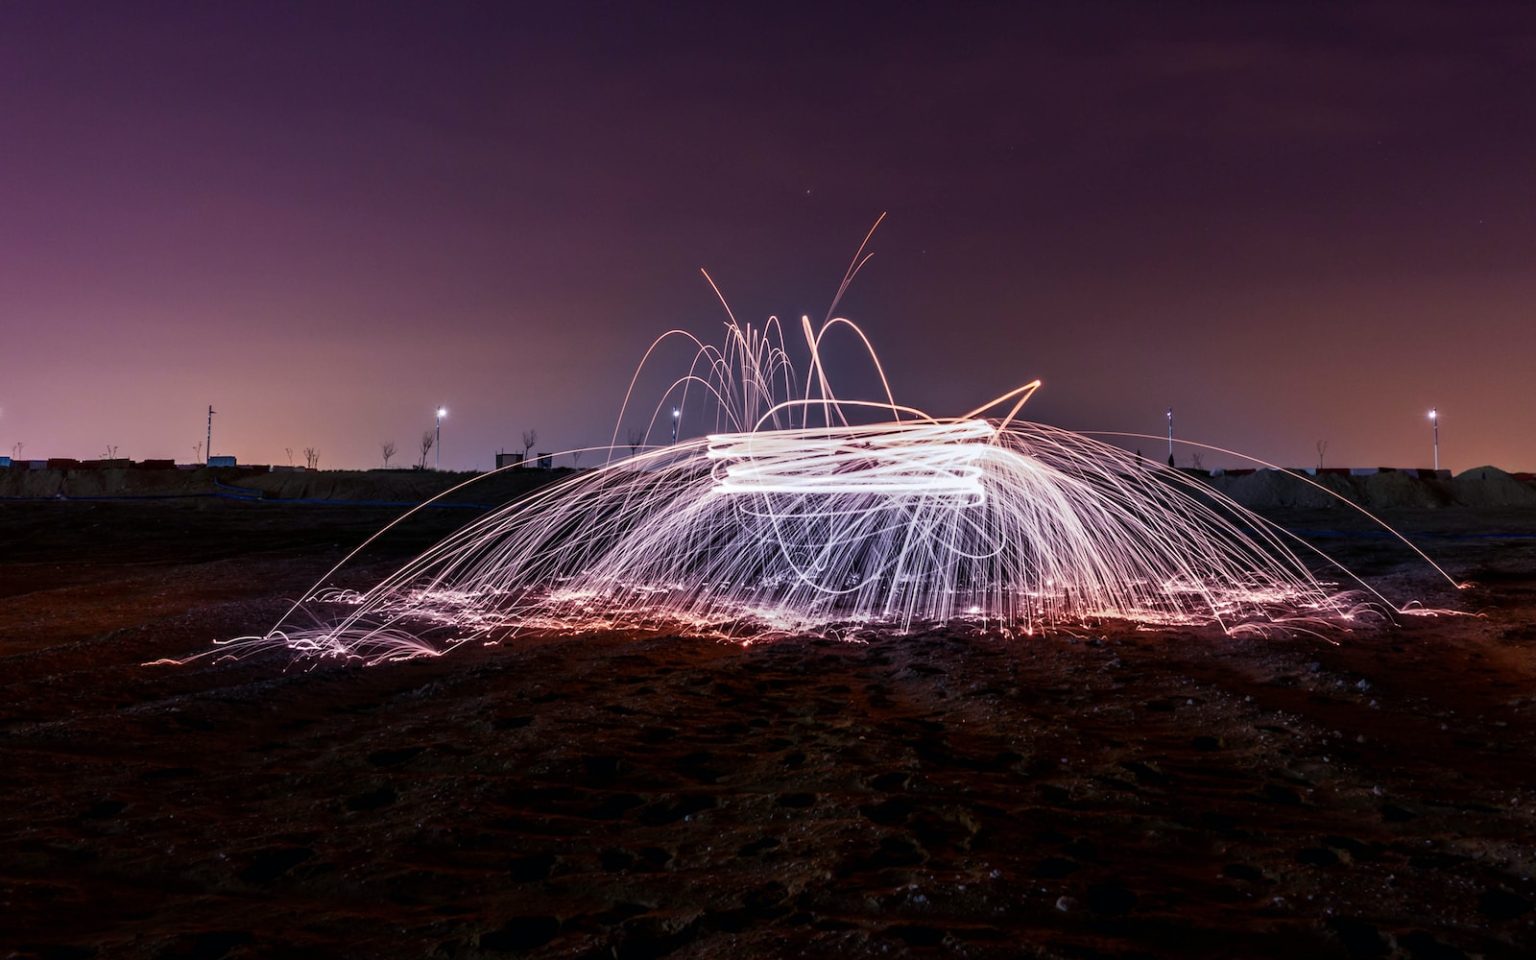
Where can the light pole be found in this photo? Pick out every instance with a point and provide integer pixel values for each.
(1170, 436)
(675, 414)
(438, 443)
(1434, 425)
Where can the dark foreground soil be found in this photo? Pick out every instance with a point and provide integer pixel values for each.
(1113, 794)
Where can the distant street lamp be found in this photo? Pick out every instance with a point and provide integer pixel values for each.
(675, 414)
(1434, 425)
(1170, 436)
(441, 413)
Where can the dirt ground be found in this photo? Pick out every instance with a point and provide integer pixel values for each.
(1119, 793)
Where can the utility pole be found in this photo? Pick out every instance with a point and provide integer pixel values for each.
(208, 451)
(1434, 424)
(438, 443)
(1170, 436)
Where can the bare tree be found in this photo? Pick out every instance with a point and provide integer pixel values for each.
(1197, 460)
(387, 448)
(426, 447)
(289, 451)
(530, 437)
(197, 452)
(636, 437)
(576, 457)
(16, 450)
(311, 458)
(111, 453)
(1322, 448)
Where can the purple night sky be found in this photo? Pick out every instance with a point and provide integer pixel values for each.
(1290, 223)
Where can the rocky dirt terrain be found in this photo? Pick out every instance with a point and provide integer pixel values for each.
(1114, 793)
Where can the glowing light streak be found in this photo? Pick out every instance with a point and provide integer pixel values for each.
(936, 459)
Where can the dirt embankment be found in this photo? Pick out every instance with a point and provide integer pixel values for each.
(1390, 490)
(1481, 488)
(403, 486)
(388, 486)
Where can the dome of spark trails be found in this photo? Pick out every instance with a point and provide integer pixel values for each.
(800, 512)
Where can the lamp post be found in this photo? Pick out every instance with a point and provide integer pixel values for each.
(1434, 426)
(441, 413)
(1170, 436)
(675, 414)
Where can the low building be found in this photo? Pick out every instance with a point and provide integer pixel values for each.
(508, 460)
